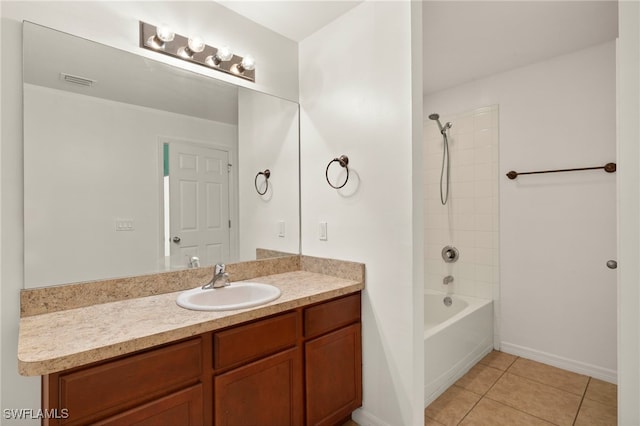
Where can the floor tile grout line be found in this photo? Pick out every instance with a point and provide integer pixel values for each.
(543, 384)
(521, 411)
(552, 386)
(470, 410)
(494, 383)
(484, 394)
(547, 384)
(575, 418)
(506, 404)
(489, 365)
(481, 395)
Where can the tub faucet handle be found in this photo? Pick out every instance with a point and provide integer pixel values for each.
(450, 254)
(448, 279)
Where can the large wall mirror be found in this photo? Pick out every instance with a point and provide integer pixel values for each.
(133, 166)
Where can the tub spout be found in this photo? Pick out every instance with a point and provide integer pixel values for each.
(448, 279)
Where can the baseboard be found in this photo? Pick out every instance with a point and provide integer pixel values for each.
(364, 418)
(594, 371)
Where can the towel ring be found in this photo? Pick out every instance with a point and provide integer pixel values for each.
(343, 160)
(267, 174)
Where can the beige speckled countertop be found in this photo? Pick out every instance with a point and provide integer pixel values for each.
(57, 341)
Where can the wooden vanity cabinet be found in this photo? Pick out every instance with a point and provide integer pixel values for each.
(298, 367)
(258, 373)
(333, 360)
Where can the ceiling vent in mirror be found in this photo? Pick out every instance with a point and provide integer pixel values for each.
(193, 49)
(81, 81)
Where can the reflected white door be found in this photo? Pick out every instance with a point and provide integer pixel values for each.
(199, 204)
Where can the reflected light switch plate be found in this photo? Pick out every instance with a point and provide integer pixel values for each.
(281, 229)
(323, 231)
(124, 225)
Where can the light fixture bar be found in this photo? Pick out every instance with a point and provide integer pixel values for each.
(148, 40)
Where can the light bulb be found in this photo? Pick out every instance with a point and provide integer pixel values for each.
(164, 33)
(224, 53)
(196, 44)
(248, 63)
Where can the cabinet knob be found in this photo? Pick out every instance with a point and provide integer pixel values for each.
(612, 264)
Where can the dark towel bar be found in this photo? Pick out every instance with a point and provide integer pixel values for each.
(609, 168)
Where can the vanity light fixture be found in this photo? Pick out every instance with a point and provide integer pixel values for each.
(163, 40)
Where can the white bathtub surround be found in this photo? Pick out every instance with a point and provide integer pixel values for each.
(455, 339)
(470, 219)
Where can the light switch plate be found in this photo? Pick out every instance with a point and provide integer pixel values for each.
(124, 225)
(323, 231)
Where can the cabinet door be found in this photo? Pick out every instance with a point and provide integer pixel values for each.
(182, 408)
(333, 373)
(266, 392)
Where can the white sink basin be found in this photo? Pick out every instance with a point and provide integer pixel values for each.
(235, 296)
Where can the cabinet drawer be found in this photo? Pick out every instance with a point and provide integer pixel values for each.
(248, 342)
(120, 384)
(331, 315)
(180, 408)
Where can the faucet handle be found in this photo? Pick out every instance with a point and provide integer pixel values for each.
(220, 268)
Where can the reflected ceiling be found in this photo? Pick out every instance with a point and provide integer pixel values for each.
(123, 77)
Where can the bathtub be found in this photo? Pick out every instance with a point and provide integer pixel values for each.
(455, 339)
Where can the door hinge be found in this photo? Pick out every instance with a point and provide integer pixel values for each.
(229, 223)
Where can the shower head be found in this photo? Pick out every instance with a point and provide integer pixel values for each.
(444, 128)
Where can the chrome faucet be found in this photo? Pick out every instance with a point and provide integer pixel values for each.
(220, 278)
(448, 279)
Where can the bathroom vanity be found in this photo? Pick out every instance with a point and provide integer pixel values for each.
(294, 361)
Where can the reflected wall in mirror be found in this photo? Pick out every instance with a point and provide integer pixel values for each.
(132, 166)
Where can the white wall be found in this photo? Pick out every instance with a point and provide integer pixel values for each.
(556, 231)
(355, 96)
(268, 139)
(82, 177)
(629, 214)
(114, 24)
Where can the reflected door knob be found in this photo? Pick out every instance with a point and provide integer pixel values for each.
(612, 264)
(176, 239)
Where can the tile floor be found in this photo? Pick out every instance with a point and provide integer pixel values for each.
(504, 389)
